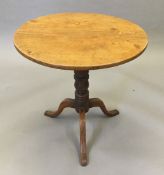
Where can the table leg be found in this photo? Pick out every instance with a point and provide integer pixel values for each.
(96, 102)
(83, 147)
(68, 102)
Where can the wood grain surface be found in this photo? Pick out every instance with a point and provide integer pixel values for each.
(80, 41)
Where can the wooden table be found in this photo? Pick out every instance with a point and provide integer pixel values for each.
(80, 42)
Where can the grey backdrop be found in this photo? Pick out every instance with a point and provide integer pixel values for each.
(129, 144)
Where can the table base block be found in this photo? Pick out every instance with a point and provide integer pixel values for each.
(82, 103)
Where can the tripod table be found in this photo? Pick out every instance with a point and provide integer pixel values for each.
(80, 42)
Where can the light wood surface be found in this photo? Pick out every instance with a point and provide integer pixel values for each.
(80, 41)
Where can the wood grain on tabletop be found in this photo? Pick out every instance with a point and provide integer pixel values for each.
(80, 41)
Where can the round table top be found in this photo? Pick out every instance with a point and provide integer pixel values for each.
(80, 41)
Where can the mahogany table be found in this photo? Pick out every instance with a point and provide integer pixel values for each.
(80, 42)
